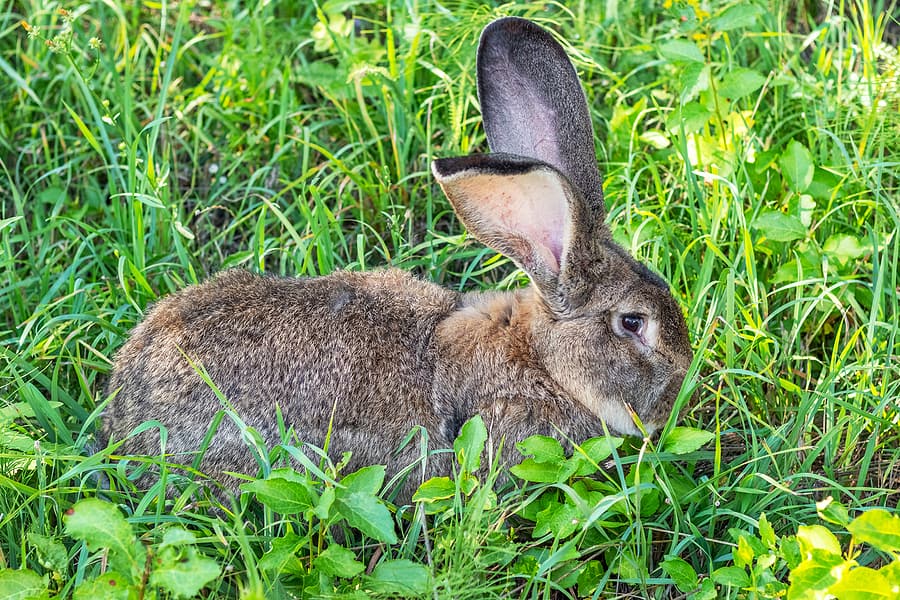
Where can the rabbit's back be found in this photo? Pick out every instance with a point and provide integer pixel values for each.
(353, 347)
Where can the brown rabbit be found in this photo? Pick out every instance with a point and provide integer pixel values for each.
(595, 338)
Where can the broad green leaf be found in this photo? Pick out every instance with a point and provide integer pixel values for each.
(177, 536)
(877, 527)
(808, 260)
(183, 572)
(737, 16)
(797, 166)
(630, 567)
(529, 470)
(682, 489)
(624, 117)
(891, 572)
(469, 444)
(368, 479)
(765, 561)
(826, 186)
(740, 82)
(732, 575)
(816, 537)
(436, 488)
(569, 571)
(13, 440)
(559, 519)
(51, 195)
(756, 546)
(832, 511)
(401, 577)
(527, 564)
(600, 448)
(692, 116)
(681, 572)
(288, 474)
(282, 496)
(766, 532)
(324, 502)
(681, 51)
(100, 525)
(589, 578)
(743, 554)
(467, 483)
(107, 586)
(707, 591)
(863, 583)
(330, 77)
(15, 410)
(693, 80)
(814, 576)
(338, 561)
(282, 556)
(790, 550)
(802, 205)
(22, 584)
(368, 514)
(683, 440)
(788, 272)
(844, 247)
(779, 227)
(51, 553)
(588, 456)
(544, 449)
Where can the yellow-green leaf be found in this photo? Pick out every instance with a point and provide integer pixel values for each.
(879, 528)
(863, 583)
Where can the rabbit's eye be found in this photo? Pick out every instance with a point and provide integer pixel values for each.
(632, 323)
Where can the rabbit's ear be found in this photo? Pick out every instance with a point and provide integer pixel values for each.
(524, 209)
(533, 105)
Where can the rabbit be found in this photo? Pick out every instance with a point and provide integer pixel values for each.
(595, 339)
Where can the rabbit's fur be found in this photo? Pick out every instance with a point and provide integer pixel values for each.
(373, 355)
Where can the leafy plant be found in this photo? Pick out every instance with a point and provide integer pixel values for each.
(816, 564)
(311, 555)
(172, 564)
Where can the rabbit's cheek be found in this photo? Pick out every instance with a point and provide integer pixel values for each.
(659, 411)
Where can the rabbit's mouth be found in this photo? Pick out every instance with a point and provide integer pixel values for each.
(639, 411)
(619, 417)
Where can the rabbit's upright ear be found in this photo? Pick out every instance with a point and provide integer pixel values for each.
(524, 209)
(533, 105)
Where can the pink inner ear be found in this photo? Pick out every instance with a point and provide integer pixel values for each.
(532, 206)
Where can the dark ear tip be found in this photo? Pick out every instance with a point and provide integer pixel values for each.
(494, 164)
(445, 167)
(509, 26)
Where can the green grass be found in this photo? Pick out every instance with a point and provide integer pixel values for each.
(201, 136)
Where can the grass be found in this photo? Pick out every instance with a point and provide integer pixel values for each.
(143, 147)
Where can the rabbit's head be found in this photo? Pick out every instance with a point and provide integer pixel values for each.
(606, 328)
